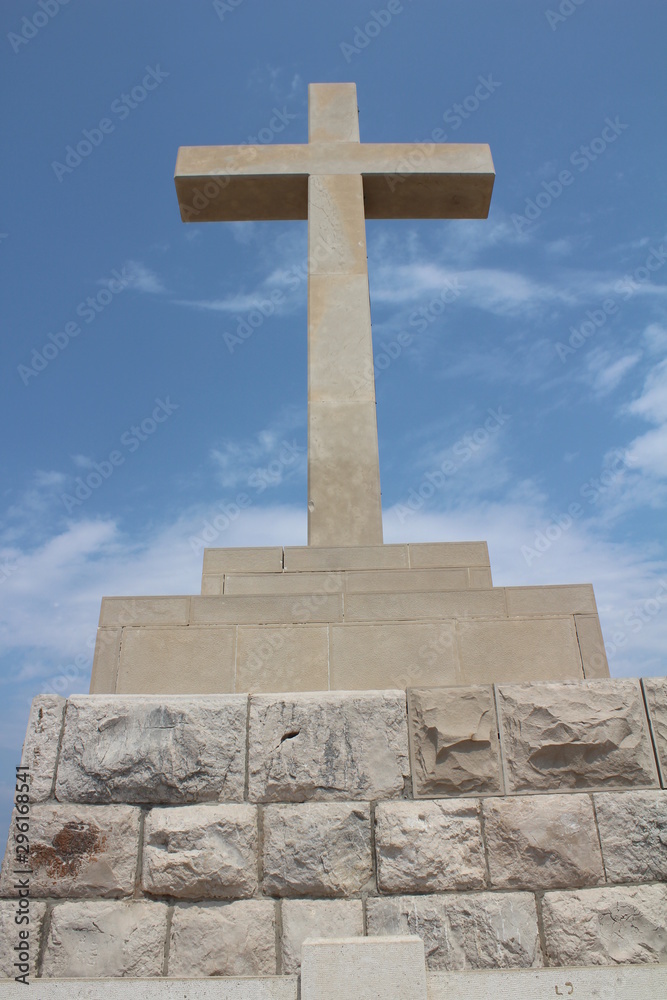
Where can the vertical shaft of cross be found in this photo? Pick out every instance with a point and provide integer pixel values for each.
(344, 502)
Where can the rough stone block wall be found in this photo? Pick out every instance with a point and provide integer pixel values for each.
(521, 825)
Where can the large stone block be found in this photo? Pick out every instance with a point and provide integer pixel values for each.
(105, 661)
(9, 936)
(263, 559)
(364, 657)
(565, 599)
(591, 644)
(633, 834)
(607, 926)
(202, 851)
(229, 988)
(391, 969)
(405, 581)
(542, 842)
(655, 689)
(284, 583)
(266, 609)
(316, 918)
(223, 939)
(317, 849)
(120, 611)
(212, 586)
(414, 606)
(159, 750)
(445, 554)
(519, 649)
(454, 741)
(429, 846)
(181, 660)
(337, 745)
(624, 982)
(79, 851)
(587, 735)
(40, 747)
(282, 659)
(479, 931)
(313, 557)
(479, 578)
(94, 940)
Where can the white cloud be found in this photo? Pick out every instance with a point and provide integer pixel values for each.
(141, 278)
(648, 452)
(652, 403)
(655, 337)
(605, 375)
(273, 454)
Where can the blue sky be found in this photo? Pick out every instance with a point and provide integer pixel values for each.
(550, 315)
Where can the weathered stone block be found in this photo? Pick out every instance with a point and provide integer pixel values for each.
(181, 660)
(460, 931)
(633, 833)
(454, 741)
(519, 649)
(655, 689)
(327, 746)
(287, 658)
(312, 557)
(9, 936)
(479, 578)
(591, 644)
(105, 661)
(316, 918)
(370, 968)
(263, 559)
(94, 940)
(317, 849)
(79, 851)
(617, 982)
(565, 599)
(542, 842)
(591, 734)
(267, 609)
(223, 939)
(364, 657)
(429, 846)
(445, 554)
(413, 606)
(607, 926)
(40, 747)
(202, 851)
(158, 750)
(119, 611)
(405, 581)
(212, 586)
(284, 583)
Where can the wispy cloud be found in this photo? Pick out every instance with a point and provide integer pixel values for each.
(141, 278)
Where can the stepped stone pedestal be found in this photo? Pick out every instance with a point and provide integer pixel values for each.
(348, 745)
(358, 617)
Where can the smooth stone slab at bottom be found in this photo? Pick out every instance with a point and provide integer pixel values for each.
(261, 988)
(392, 968)
(628, 982)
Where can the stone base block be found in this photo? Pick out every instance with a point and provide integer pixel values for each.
(392, 968)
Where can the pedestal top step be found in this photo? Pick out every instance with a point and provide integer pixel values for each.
(286, 609)
(275, 559)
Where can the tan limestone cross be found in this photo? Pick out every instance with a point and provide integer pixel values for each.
(336, 182)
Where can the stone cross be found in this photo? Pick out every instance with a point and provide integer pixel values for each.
(336, 182)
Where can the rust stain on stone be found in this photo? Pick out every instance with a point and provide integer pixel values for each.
(78, 843)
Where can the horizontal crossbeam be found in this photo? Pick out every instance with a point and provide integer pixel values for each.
(400, 180)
